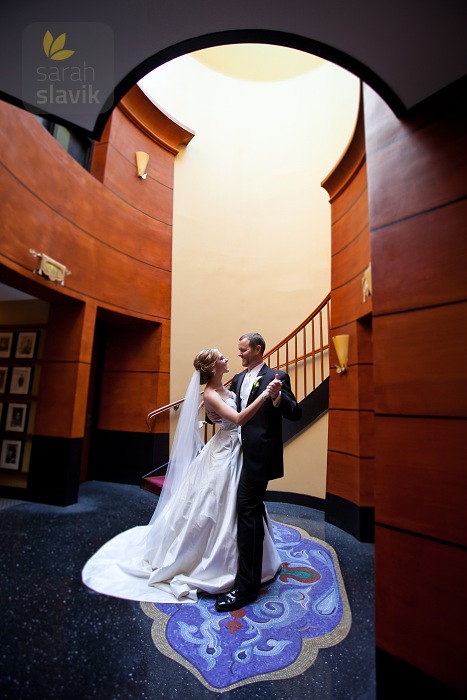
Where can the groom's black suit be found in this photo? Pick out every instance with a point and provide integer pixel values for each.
(263, 459)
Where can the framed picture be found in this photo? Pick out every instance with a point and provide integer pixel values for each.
(3, 378)
(10, 456)
(1, 412)
(16, 417)
(26, 345)
(20, 382)
(6, 341)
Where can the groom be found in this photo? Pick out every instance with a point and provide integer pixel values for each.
(263, 459)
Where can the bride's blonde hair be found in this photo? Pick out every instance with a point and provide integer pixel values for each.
(205, 362)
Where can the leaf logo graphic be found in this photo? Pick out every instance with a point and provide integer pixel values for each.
(54, 47)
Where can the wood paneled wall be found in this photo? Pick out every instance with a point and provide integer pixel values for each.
(349, 485)
(417, 182)
(113, 230)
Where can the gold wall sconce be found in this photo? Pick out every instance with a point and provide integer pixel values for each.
(142, 160)
(49, 268)
(367, 288)
(341, 345)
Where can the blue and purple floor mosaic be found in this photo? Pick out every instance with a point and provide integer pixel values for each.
(303, 609)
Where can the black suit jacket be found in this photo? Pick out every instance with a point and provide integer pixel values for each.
(263, 454)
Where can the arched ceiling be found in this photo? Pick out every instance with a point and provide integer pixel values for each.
(406, 50)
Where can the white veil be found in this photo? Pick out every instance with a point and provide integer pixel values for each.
(187, 444)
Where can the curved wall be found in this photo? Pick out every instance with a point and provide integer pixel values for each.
(115, 236)
(349, 480)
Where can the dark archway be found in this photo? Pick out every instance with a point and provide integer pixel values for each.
(255, 36)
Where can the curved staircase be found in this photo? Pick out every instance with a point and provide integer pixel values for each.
(304, 355)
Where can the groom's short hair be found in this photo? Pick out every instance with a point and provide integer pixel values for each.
(254, 339)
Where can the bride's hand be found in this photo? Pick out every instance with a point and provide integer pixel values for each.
(272, 389)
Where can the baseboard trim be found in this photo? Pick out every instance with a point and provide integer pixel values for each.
(394, 676)
(296, 499)
(358, 521)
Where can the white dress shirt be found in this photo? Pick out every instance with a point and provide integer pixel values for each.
(247, 383)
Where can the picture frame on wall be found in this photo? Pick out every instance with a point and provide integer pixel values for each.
(6, 342)
(20, 382)
(16, 417)
(26, 345)
(1, 412)
(3, 379)
(10, 456)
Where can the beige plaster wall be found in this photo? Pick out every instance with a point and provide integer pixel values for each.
(251, 233)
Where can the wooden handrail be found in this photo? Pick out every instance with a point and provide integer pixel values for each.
(305, 358)
(304, 354)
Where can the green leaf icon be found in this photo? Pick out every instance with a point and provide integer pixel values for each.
(53, 48)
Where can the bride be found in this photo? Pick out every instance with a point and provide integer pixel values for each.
(190, 543)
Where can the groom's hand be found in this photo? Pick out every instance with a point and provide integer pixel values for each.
(276, 386)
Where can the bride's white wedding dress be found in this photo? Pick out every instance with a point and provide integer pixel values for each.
(193, 547)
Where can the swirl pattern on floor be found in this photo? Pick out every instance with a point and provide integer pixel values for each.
(303, 609)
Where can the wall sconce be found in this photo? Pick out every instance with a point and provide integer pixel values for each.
(341, 344)
(142, 160)
(367, 283)
(49, 268)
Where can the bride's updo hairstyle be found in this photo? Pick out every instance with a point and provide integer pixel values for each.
(205, 362)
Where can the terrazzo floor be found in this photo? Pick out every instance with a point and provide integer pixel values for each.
(60, 640)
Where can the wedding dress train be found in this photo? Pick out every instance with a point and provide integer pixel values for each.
(192, 547)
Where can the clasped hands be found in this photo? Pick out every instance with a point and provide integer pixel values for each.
(272, 392)
(273, 388)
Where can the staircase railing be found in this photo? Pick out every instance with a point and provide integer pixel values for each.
(303, 354)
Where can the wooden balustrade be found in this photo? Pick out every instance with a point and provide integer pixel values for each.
(303, 354)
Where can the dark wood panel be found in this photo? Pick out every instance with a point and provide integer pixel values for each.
(152, 120)
(134, 347)
(342, 476)
(351, 261)
(61, 402)
(421, 615)
(421, 261)
(365, 338)
(70, 332)
(351, 432)
(101, 272)
(343, 388)
(65, 371)
(40, 202)
(350, 477)
(149, 196)
(23, 214)
(347, 171)
(128, 139)
(126, 399)
(367, 481)
(427, 156)
(351, 193)
(352, 223)
(354, 389)
(347, 302)
(419, 361)
(99, 157)
(417, 490)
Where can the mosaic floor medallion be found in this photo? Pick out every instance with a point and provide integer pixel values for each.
(303, 609)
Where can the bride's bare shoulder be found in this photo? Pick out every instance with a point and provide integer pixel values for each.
(216, 394)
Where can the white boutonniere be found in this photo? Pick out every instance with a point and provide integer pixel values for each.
(256, 382)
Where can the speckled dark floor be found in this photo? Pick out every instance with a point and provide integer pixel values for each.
(59, 640)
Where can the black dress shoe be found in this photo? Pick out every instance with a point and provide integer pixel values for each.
(234, 600)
